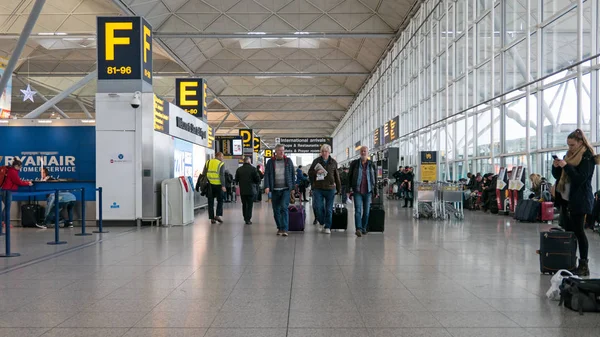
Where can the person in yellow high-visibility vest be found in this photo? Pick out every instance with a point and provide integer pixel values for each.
(215, 172)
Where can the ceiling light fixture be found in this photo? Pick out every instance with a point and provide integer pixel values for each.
(44, 121)
(257, 33)
(3, 122)
(88, 121)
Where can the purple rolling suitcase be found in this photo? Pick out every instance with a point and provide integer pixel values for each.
(297, 215)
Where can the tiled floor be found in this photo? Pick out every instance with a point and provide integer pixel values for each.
(478, 277)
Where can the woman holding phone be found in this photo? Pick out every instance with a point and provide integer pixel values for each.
(574, 196)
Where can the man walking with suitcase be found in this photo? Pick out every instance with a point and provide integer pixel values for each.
(279, 180)
(247, 177)
(363, 184)
(326, 182)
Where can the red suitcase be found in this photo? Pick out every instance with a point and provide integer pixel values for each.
(547, 210)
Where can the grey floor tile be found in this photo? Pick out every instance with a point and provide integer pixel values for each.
(108, 305)
(103, 320)
(180, 305)
(399, 320)
(328, 332)
(251, 319)
(57, 305)
(33, 319)
(22, 332)
(388, 304)
(166, 332)
(562, 319)
(86, 332)
(319, 304)
(524, 304)
(474, 320)
(456, 304)
(488, 332)
(334, 319)
(246, 332)
(177, 319)
(563, 332)
(409, 332)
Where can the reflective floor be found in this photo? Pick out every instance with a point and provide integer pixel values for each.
(478, 277)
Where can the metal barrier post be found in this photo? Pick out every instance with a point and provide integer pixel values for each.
(2, 200)
(100, 230)
(83, 233)
(8, 253)
(56, 220)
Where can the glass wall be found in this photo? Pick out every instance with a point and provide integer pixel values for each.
(486, 83)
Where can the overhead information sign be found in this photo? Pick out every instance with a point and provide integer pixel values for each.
(161, 115)
(386, 132)
(124, 48)
(247, 140)
(190, 95)
(377, 138)
(231, 146)
(305, 145)
(256, 144)
(268, 153)
(394, 129)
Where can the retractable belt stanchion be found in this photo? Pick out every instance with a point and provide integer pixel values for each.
(83, 233)
(8, 253)
(100, 230)
(56, 220)
(2, 201)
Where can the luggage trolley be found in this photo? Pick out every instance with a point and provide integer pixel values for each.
(452, 201)
(426, 200)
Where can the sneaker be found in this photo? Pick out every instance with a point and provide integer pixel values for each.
(279, 232)
(358, 233)
(364, 232)
(69, 224)
(40, 226)
(321, 227)
(219, 219)
(284, 234)
(327, 231)
(315, 222)
(213, 221)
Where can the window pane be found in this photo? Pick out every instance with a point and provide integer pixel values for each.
(484, 134)
(484, 80)
(559, 113)
(586, 105)
(551, 7)
(496, 128)
(460, 139)
(515, 72)
(516, 19)
(587, 28)
(470, 131)
(560, 43)
(484, 42)
(515, 120)
(533, 139)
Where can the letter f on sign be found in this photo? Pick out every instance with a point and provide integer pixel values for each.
(147, 34)
(112, 40)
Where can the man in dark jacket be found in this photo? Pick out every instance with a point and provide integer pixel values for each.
(345, 181)
(407, 186)
(362, 182)
(247, 177)
(280, 181)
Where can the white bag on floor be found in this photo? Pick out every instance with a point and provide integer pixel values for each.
(554, 292)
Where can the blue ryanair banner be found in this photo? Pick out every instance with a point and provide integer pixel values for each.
(67, 152)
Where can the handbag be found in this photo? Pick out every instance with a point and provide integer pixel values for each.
(202, 184)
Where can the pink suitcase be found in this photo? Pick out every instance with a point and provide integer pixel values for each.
(547, 211)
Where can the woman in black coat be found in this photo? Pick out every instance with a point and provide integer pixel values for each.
(574, 195)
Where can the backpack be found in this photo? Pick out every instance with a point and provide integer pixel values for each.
(3, 175)
(580, 295)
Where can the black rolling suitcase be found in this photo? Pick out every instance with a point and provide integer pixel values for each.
(527, 210)
(376, 222)
(376, 219)
(339, 218)
(32, 215)
(558, 250)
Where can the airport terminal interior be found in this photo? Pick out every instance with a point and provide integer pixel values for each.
(478, 120)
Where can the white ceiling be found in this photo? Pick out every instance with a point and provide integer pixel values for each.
(282, 67)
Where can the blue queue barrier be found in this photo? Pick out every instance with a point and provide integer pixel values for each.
(100, 229)
(83, 233)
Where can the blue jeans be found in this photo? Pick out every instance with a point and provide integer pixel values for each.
(362, 206)
(6, 198)
(323, 204)
(281, 200)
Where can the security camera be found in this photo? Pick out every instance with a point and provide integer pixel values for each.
(135, 101)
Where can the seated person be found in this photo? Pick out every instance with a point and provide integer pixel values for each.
(66, 201)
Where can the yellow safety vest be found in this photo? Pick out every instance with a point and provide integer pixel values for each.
(214, 167)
